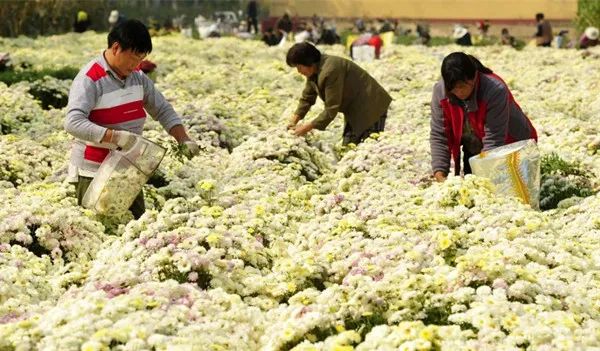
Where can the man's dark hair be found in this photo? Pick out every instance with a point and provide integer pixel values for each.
(460, 67)
(303, 54)
(131, 35)
(539, 16)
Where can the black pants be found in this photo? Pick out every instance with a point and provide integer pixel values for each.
(253, 22)
(351, 137)
(137, 208)
(466, 166)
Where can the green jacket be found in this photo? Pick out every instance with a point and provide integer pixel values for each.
(346, 88)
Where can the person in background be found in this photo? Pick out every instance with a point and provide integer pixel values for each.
(114, 19)
(562, 40)
(506, 38)
(82, 22)
(360, 26)
(284, 24)
(317, 22)
(370, 38)
(423, 36)
(272, 38)
(386, 26)
(589, 38)
(471, 107)
(462, 36)
(483, 27)
(5, 62)
(543, 35)
(252, 13)
(107, 107)
(344, 87)
(329, 37)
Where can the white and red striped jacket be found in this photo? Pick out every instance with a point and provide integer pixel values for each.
(98, 100)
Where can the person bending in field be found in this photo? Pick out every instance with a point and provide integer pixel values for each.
(471, 107)
(344, 87)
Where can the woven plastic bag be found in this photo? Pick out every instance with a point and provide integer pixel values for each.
(514, 169)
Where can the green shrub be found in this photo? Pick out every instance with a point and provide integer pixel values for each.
(14, 76)
(562, 180)
(437, 41)
(48, 86)
(405, 39)
(588, 14)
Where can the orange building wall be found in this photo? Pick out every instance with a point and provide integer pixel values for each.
(427, 9)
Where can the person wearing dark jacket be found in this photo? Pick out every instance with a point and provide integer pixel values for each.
(271, 38)
(471, 107)
(252, 16)
(507, 39)
(344, 87)
(462, 36)
(284, 24)
(82, 22)
(543, 35)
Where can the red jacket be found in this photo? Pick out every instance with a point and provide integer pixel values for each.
(495, 118)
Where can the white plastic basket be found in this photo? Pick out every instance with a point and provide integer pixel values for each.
(363, 53)
(121, 177)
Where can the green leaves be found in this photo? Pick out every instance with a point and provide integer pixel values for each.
(562, 180)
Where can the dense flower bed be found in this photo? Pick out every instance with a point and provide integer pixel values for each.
(269, 241)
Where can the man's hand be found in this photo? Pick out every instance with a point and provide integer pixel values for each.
(190, 149)
(293, 121)
(303, 129)
(123, 139)
(439, 176)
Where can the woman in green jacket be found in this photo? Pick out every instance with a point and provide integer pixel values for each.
(344, 87)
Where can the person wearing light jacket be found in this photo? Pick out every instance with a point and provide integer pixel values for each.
(107, 107)
(344, 87)
(471, 107)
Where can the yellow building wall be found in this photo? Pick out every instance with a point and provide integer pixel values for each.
(427, 9)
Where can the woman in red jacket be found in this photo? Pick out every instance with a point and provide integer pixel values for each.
(473, 108)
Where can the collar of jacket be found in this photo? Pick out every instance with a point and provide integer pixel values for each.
(104, 63)
(471, 102)
(315, 76)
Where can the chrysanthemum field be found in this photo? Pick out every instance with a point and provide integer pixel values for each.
(268, 241)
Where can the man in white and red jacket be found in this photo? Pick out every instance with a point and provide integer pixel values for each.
(107, 106)
(473, 108)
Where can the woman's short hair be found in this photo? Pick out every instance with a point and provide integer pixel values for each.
(303, 54)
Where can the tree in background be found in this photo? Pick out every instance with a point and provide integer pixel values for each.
(588, 14)
(47, 17)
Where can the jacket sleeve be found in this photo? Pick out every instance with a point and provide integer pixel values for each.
(496, 119)
(82, 99)
(157, 106)
(440, 152)
(308, 98)
(334, 90)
